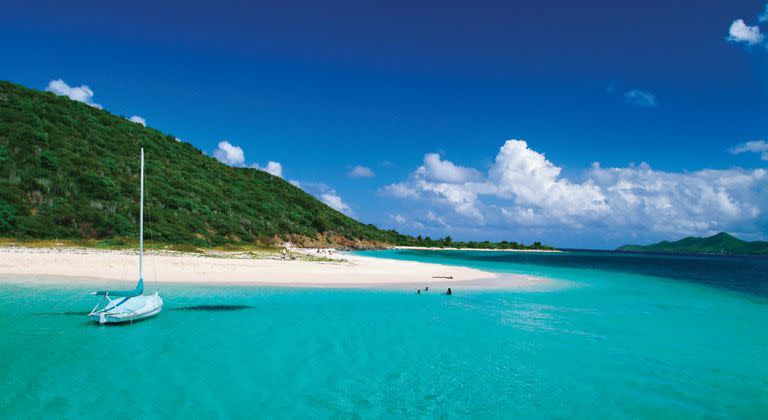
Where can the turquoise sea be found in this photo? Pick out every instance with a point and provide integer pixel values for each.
(617, 336)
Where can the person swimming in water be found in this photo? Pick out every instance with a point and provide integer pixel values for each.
(426, 289)
(449, 292)
(418, 291)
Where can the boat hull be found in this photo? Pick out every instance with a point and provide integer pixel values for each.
(129, 310)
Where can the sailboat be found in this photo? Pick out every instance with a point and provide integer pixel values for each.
(119, 306)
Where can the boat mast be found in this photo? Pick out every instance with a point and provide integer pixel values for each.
(141, 219)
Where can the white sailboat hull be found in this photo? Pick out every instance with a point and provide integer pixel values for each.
(123, 306)
(128, 309)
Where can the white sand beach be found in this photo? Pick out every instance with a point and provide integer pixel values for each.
(336, 270)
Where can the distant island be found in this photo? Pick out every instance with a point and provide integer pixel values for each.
(69, 173)
(722, 243)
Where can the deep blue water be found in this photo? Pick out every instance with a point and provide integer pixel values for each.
(743, 273)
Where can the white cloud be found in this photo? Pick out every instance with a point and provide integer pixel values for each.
(178, 139)
(442, 170)
(683, 203)
(403, 222)
(640, 98)
(232, 155)
(756, 146)
(522, 188)
(360, 171)
(444, 181)
(229, 154)
(741, 32)
(295, 183)
(435, 219)
(522, 216)
(327, 195)
(763, 16)
(461, 197)
(333, 200)
(81, 93)
(400, 190)
(530, 179)
(139, 120)
(274, 168)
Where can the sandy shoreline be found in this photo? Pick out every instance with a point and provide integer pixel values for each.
(344, 270)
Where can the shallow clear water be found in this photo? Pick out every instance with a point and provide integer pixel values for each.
(602, 343)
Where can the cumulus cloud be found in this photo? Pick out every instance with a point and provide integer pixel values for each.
(444, 180)
(757, 146)
(522, 188)
(696, 202)
(295, 183)
(139, 120)
(333, 200)
(398, 219)
(462, 197)
(522, 174)
(360, 171)
(640, 98)
(229, 154)
(400, 190)
(80, 93)
(444, 171)
(232, 155)
(274, 168)
(741, 32)
(763, 16)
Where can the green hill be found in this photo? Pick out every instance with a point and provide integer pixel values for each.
(70, 171)
(720, 243)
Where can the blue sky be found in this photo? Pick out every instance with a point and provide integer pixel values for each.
(424, 95)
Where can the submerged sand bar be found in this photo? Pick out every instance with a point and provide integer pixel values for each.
(336, 270)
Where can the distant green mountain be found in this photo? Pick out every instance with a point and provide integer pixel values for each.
(720, 243)
(70, 171)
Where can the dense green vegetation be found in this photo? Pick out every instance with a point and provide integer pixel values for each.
(70, 171)
(720, 243)
(447, 242)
